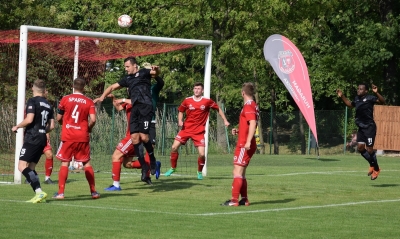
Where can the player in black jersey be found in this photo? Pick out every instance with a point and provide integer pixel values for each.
(138, 82)
(39, 120)
(364, 119)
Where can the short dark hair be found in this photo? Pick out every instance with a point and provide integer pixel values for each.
(40, 85)
(249, 88)
(365, 85)
(131, 59)
(79, 84)
(199, 84)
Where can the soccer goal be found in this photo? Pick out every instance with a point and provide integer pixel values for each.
(60, 55)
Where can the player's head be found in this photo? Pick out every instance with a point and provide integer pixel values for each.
(248, 89)
(130, 65)
(362, 89)
(39, 86)
(198, 89)
(79, 84)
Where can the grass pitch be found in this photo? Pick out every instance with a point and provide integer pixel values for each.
(290, 196)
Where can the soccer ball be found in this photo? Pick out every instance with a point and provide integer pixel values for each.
(78, 165)
(124, 21)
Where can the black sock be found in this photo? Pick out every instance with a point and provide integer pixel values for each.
(32, 177)
(140, 156)
(375, 161)
(367, 156)
(150, 151)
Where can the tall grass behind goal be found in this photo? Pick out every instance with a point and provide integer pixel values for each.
(58, 56)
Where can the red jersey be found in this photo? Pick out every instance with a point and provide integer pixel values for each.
(128, 109)
(249, 112)
(76, 108)
(197, 112)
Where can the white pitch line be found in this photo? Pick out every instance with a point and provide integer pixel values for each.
(218, 213)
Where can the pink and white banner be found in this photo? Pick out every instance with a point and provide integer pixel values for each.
(289, 65)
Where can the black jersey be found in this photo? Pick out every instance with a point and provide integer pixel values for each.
(364, 109)
(35, 132)
(139, 85)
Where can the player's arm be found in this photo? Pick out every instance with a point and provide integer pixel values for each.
(118, 102)
(28, 119)
(60, 115)
(380, 99)
(92, 122)
(346, 101)
(107, 91)
(155, 71)
(222, 114)
(49, 127)
(252, 131)
(160, 84)
(180, 118)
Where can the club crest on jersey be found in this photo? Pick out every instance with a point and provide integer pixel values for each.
(137, 74)
(365, 99)
(202, 107)
(286, 62)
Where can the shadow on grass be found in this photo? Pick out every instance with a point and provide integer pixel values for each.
(386, 185)
(272, 202)
(324, 159)
(170, 184)
(87, 197)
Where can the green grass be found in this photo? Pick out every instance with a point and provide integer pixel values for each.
(291, 197)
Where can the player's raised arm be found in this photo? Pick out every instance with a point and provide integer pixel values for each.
(380, 100)
(107, 91)
(346, 101)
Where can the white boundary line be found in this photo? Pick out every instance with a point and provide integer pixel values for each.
(219, 213)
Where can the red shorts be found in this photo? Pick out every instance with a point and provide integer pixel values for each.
(47, 147)
(125, 146)
(80, 151)
(183, 137)
(242, 156)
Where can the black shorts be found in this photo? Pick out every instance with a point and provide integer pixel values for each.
(141, 116)
(152, 133)
(367, 135)
(31, 153)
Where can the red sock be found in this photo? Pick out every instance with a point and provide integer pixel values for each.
(62, 178)
(174, 159)
(136, 164)
(243, 189)
(147, 158)
(48, 166)
(200, 164)
(116, 171)
(89, 173)
(236, 186)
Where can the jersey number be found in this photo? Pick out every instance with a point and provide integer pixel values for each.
(75, 114)
(44, 114)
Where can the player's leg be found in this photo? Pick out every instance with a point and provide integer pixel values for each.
(201, 160)
(117, 159)
(83, 155)
(241, 161)
(174, 157)
(48, 164)
(361, 147)
(152, 138)
(370, 134)
(30, 155)
(146, 114)
(64, 154)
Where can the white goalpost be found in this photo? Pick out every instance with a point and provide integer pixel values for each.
(22, 70)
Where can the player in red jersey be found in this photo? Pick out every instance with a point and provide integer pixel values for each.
(124, 151)
(197, 108)
(77, 115)
(246, 146)
(48, 164)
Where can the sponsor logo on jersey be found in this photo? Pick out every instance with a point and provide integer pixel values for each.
(45, 105)
(72, 126)
(191, 107)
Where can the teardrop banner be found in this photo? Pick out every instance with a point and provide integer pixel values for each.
(288, 63)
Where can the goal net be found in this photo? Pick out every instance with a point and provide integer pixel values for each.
(58, 56)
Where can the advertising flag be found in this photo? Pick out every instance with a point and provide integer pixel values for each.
(289, 65)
